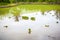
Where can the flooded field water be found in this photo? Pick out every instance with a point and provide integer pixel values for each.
(35, 26)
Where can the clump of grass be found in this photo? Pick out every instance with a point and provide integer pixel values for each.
(25, 17)
(46, 25)
(6, 26)
(29, 30)
(16, 18)
(57, 22)
(33, 18)
(9, 17)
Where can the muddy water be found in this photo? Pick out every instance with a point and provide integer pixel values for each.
(44, 27)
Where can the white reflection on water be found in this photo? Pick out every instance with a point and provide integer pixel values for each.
(19, 30)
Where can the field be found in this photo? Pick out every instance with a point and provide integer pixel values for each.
(28, 7)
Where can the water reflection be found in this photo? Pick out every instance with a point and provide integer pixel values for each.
(39, 29)
(16, 18)
(58, 15)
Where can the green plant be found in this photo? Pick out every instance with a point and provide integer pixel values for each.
(25, 17)
(6, 26)
(33, 18)
(11, 1)
(46, 25)
(29, 30)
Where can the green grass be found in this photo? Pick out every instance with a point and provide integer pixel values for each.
(33, 18)
(46, 25)
(29, 31)
(40, 7)
(2, 3)
(25, 17)
(4, 11)
(31, 7)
